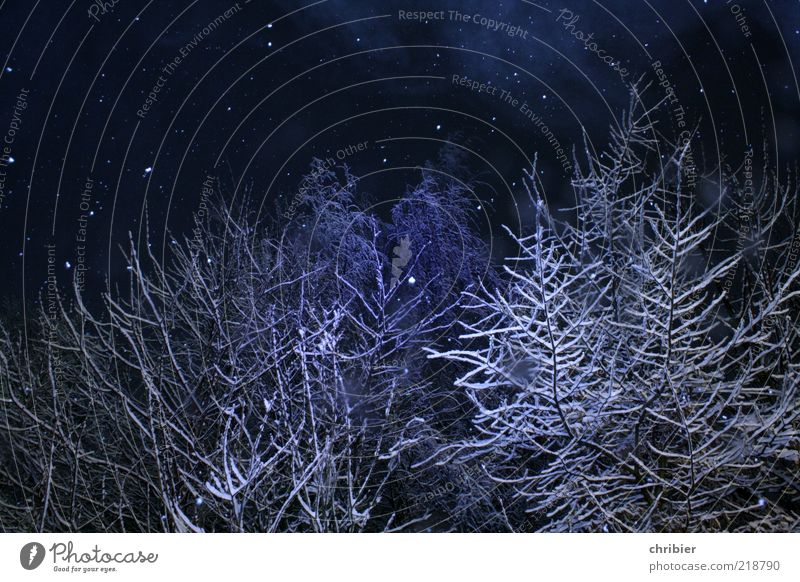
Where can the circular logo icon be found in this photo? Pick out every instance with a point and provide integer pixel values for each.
(31, 555)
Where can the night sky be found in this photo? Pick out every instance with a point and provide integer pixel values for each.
(113, 111)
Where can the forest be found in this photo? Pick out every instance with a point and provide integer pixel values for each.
(632, 366)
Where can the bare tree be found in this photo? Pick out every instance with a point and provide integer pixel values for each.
(615, 390)
(253, 384)
(635, 368)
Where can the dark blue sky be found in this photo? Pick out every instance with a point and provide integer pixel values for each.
(260, 88)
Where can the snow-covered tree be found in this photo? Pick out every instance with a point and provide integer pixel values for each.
(614, 390)
(634, 368)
